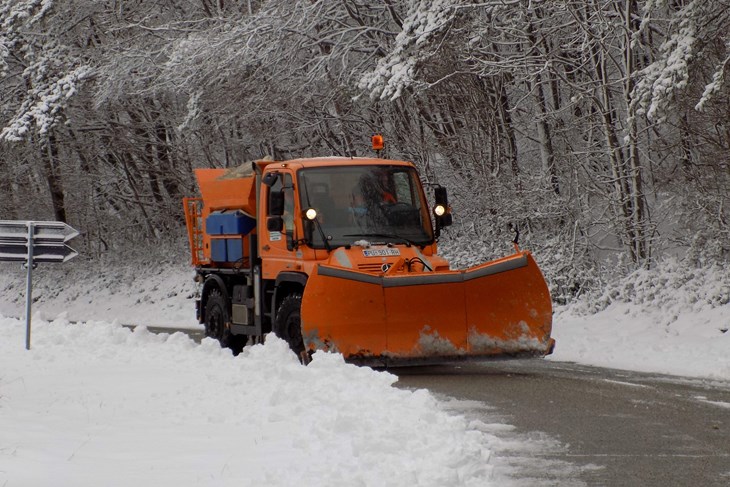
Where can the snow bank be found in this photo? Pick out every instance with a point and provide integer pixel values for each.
(97, 404)
(148, 291)
(627, 336)
(672, 320)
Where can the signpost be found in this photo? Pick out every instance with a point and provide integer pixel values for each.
(34, 243)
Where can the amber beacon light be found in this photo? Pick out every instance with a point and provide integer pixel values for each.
(378, 143)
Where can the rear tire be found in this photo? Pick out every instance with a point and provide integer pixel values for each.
(217, 317)
(288, 325)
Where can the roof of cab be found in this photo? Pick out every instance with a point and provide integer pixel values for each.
(335, 161)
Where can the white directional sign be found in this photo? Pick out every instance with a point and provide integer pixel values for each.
(48, 238)
(32, 243)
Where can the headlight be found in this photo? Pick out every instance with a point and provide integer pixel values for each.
(311, 214)
(439, 210)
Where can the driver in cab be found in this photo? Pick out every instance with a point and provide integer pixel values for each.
(384, 187)
(376, 188)
(374, 194)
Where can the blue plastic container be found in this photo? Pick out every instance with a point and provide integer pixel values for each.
(234, 249)
(218, 250)
(226, 249)
(229, 223)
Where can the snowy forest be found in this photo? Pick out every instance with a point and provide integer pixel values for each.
(600, 128)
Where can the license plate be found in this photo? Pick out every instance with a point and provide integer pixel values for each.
(380, 252)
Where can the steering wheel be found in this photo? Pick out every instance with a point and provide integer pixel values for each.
(397, 207)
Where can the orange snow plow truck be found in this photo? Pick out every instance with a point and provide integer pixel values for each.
(339, 254)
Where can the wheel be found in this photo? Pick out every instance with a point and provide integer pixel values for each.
(288, 325)
(216, 317)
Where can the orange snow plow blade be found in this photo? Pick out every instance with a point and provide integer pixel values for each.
(500, 308)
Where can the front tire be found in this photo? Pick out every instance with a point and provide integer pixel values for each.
(288, 325)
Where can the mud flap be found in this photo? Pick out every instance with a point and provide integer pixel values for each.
(501, 307)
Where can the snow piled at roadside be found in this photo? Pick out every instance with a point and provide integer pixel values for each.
(627, 336)
(154, 290)
(97, 404)
(673, 320)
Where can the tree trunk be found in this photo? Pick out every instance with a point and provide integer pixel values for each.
(547, 152)
(52, 174)
(7, 203)
(635, 169)
(619, 173)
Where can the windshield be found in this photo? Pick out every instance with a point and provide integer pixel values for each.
(373, 203)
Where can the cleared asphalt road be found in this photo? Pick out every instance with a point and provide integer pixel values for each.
(616, 428)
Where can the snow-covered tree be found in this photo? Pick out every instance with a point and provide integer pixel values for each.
(593, 126)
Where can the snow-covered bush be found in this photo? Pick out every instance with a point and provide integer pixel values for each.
(670, 284)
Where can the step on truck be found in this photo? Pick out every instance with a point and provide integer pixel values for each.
(340, 254)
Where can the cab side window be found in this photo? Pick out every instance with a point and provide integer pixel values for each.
(283, 189)
(288, 204)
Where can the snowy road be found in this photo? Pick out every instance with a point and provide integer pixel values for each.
(622, 428)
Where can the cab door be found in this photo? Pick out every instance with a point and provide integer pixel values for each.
(277, 246)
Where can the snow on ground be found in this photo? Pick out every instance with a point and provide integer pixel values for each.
(98, 404)
(155, 291)
(625, 336)
(675, 320)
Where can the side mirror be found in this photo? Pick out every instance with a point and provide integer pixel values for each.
(270, 178)
(275, 224)
(441, 196)
(276, 203)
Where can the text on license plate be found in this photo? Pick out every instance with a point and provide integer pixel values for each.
(380, 252)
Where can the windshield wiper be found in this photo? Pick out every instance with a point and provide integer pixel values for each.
(381, 235)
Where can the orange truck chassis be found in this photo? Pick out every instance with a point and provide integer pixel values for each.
(340, 254)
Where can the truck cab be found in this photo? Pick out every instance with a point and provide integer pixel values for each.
(316, 206)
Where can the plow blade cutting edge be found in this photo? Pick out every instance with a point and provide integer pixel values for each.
(500, 308)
